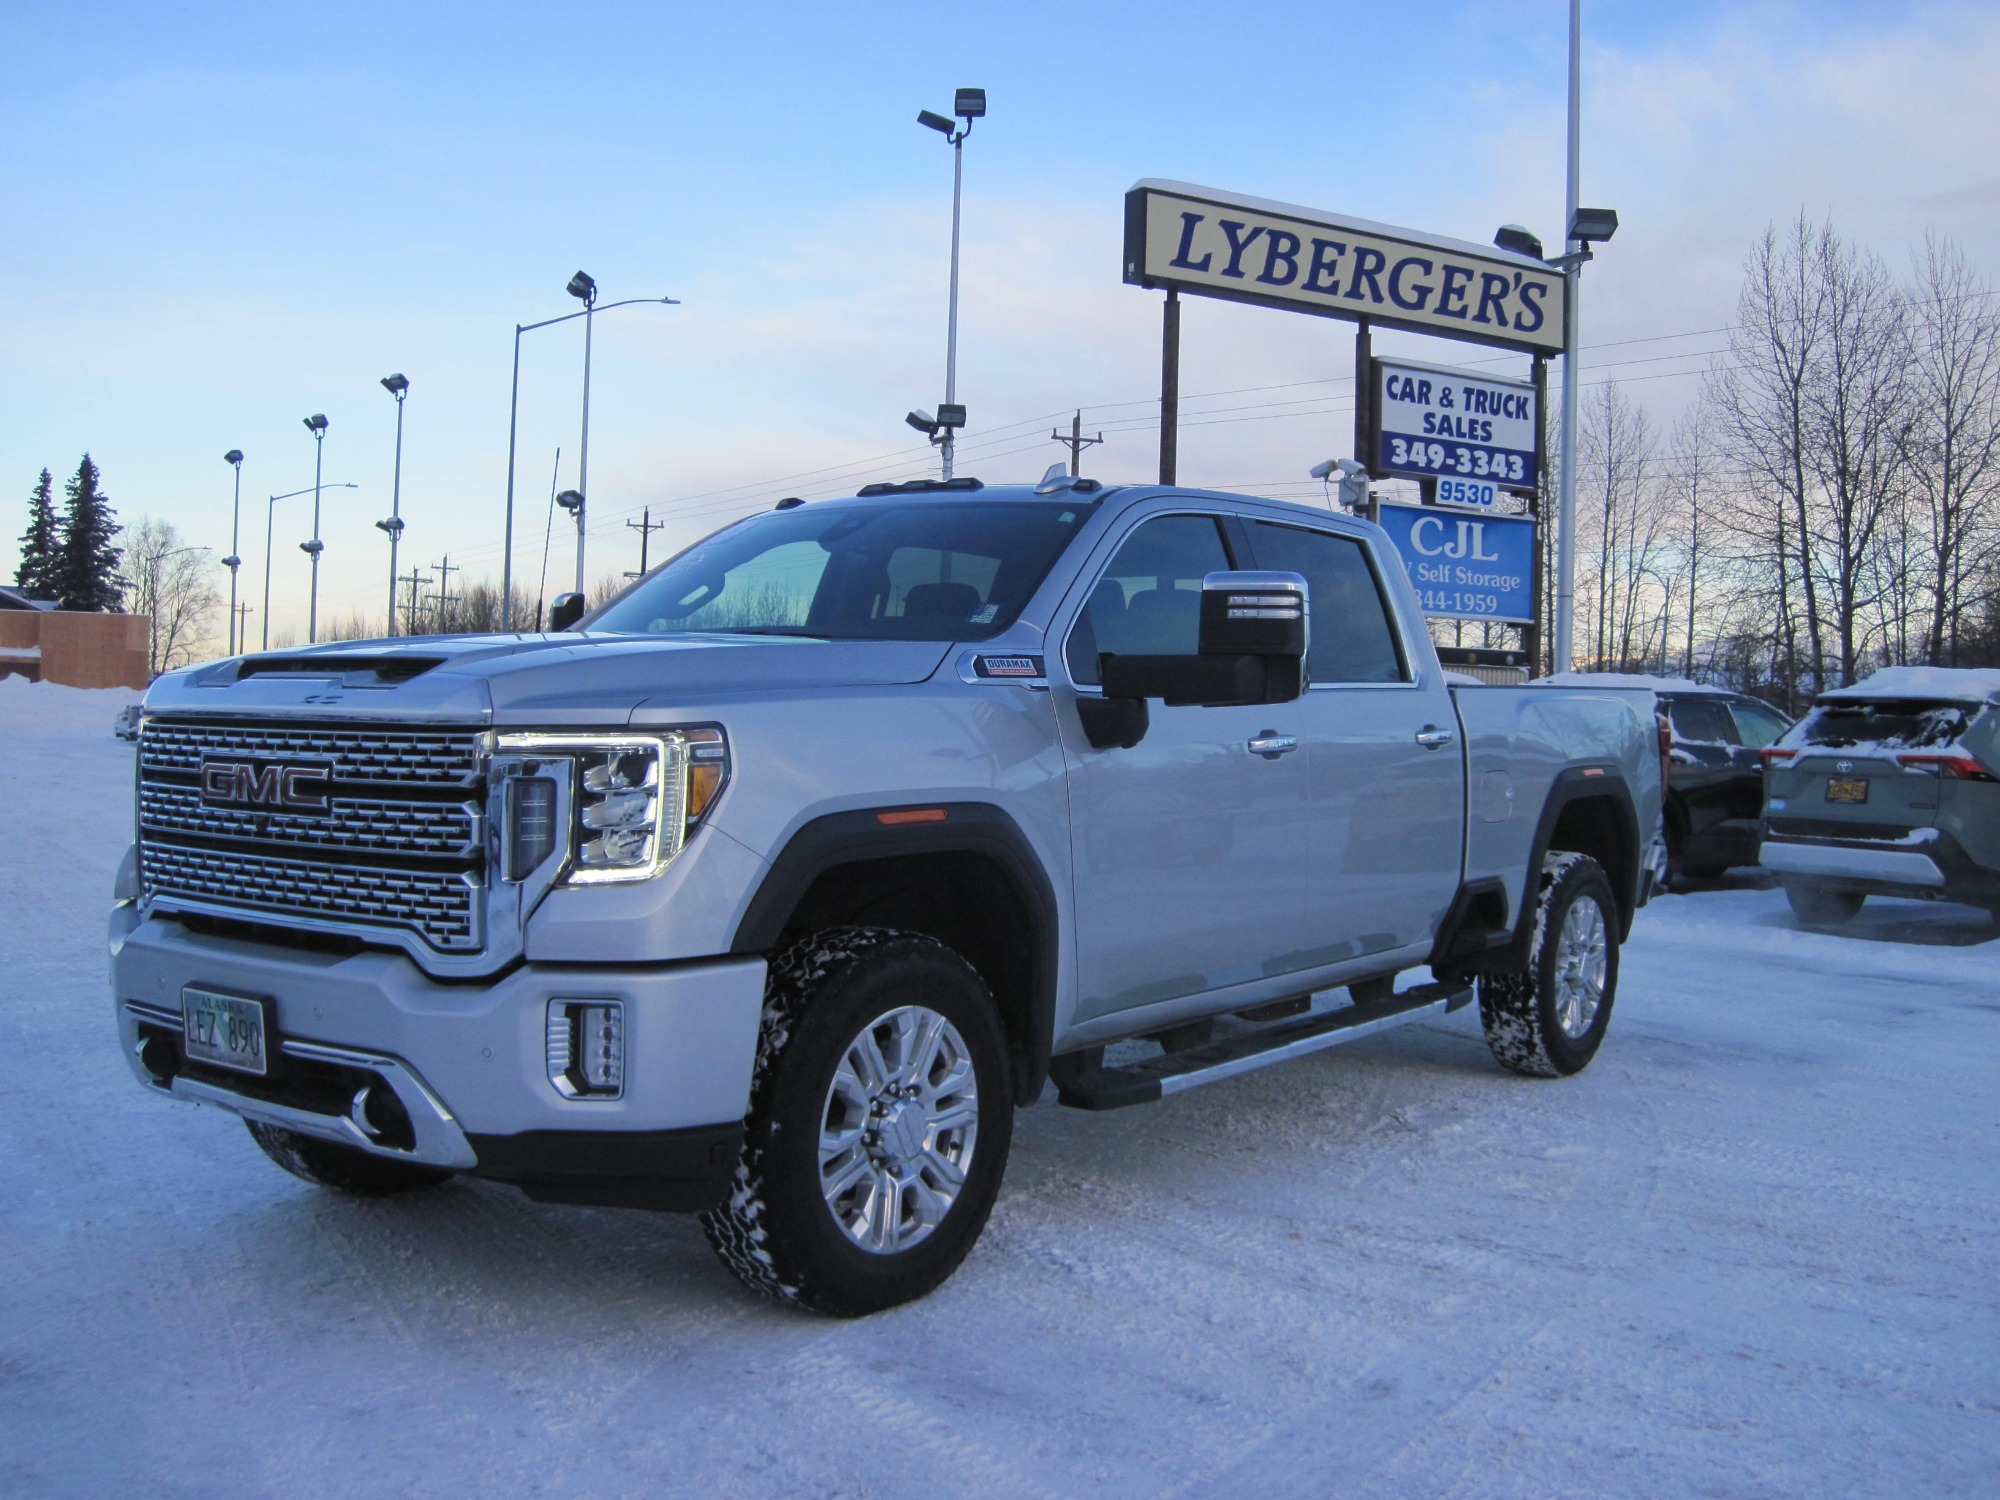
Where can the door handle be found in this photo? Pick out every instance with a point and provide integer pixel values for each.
(1271, 745)
(1433, 738)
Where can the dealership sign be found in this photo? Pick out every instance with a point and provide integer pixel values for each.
(1433, 422)
(1216, 244)
(1466, 567)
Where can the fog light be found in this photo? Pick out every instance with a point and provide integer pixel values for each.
(586, 1048)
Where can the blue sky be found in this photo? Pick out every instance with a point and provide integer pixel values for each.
(223, 218)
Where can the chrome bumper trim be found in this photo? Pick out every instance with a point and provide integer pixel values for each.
(439, 1140)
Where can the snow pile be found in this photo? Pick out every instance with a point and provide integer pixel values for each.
(49, 706)
(1625, 680)
(1957, 684)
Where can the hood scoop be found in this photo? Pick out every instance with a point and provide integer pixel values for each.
(355, 671)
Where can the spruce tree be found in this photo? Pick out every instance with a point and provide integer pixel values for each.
(40, 543)
(87, 571)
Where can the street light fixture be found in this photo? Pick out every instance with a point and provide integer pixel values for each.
(234, 458)
(399, 387)
(969, 105)
(270, 510)
(580, 286)
(316, 425)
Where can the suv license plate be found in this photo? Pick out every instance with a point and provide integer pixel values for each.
(225, 1031)
(1847, 789)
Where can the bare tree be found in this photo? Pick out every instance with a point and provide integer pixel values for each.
(1761, 397)
(1622, 530)
(1857, 403)
(1953, 449)
(171, 583)
(1694, 481)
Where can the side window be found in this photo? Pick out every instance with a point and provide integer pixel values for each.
(1758, 726)
(1351, 637)
(1702, 721)
(1148, 603)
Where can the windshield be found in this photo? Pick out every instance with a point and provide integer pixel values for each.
(950, 570)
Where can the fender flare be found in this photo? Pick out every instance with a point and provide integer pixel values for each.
(843, 838)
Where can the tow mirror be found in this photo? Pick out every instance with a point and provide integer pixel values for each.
(566, 611)
(1252, 648)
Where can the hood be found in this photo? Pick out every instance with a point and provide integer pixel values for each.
(563, 678)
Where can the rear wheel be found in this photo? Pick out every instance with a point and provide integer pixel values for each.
(880, 1117)
(1816, 906)
(342, 1168)
(1548, 1019)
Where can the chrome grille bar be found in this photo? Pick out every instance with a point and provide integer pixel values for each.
(442, 907)
(447, 830)
(398, 852)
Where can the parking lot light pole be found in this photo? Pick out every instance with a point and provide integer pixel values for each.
(234, 458)
(270, 509)
(968, 105)
(513, 429)
(399, 387)
(316, 425)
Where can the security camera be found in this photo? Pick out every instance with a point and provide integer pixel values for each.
(570, 500)
(923, 421)
(1350, 467)
(1321, 470)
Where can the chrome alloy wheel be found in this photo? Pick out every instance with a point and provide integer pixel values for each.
(898, 1130)
(1581, 952)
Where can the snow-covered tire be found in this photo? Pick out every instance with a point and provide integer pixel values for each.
(343, 1168)
(780, 1231)
(1816, 906)
(1548, 1019)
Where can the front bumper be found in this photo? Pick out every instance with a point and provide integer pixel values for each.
(461, 1070)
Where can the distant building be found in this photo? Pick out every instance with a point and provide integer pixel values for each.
(47, 644)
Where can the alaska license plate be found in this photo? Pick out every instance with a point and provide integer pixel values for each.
(226, 1031)
(1847, 789)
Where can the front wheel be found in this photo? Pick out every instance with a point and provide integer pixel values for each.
(880, 1117)
(1548, 1019)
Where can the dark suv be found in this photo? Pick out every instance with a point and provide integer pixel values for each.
(1890, 787)
(1715, 781)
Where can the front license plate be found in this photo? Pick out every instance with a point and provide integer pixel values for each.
(226, 1031)
(1847, 789)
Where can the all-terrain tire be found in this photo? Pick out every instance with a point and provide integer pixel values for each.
(1523, 1010)
(343, 1168)
(777, 1231)
(1816, 906)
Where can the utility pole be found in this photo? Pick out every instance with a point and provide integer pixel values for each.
(444, 595)
(242, 614)
(645, 526)
(1076, 442)
(415, 580)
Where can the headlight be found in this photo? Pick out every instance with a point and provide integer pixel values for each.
(632, 798)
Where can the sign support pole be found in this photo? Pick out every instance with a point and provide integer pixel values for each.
(1364, 405)
(1566, 496)
(1170, 388)
(1531, 635)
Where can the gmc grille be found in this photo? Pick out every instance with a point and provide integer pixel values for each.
(399, 846)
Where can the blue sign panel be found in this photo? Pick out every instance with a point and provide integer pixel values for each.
(1465, 565)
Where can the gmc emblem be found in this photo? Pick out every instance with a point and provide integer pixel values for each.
(265, 784)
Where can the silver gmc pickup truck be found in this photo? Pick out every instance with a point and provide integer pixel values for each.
(770, 889)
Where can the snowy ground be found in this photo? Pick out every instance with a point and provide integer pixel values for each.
(1750, 1252)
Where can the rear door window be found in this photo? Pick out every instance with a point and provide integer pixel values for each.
(1351, 639)
(1703, 721)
